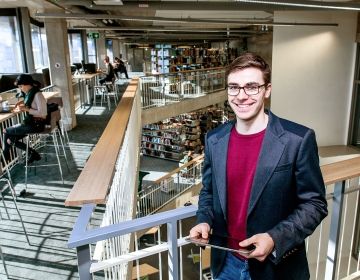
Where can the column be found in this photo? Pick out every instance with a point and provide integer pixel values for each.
(60, 73)
(116, 48)
(85, 46)
(101, 50)
(25, 27)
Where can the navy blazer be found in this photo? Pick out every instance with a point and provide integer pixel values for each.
(287, 198)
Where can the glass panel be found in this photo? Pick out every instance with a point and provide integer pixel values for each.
(45, 51)
(109, 49)
(91, 50)
(10, 52)
(75, 48)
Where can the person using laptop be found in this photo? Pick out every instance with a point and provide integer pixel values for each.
(109, 72)
(35, 108)
(262, 183)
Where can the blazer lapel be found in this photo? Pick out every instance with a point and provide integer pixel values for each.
(219, 157)
(270, 154)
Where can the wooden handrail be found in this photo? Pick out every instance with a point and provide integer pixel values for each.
(94, 181)
(341, 170)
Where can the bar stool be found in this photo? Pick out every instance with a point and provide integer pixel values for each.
(40, 140)
(3, 260)
(59, 102)
(9, 186)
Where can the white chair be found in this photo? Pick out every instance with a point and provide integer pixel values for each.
(40, 140)
(9, 186)
(3, 260)
(105, 93)
(63, 128)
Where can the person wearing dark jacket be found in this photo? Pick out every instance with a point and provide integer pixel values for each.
(262, 184)
(35, 109)
(109, 72)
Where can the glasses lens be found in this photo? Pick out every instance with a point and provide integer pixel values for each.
(251, 89)
(233, 90)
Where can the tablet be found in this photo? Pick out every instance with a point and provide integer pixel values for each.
(221, 242)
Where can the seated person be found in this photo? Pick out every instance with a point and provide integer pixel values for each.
(35, 108)
(119, 67)
(109, 73)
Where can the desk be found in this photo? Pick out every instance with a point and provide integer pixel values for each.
(144, 270)
(87, 83)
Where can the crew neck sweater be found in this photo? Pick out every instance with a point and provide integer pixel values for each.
(243, 154)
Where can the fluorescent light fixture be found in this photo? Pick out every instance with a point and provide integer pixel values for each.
(109, 2)
(303, 4)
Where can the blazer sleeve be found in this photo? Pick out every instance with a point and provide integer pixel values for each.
(205, 213)
(311, 207)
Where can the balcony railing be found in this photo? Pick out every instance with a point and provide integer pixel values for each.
(163, 89)
(110, 178)
(167, 188)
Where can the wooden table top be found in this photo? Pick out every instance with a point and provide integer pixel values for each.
(85, 76)
(47, 95)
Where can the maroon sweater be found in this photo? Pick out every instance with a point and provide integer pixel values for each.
(243, 154)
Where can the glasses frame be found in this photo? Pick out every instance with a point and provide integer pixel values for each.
(243, 88)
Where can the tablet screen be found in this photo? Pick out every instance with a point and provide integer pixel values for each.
(221, 242)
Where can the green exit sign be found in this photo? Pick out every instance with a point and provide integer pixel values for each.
(93, 35)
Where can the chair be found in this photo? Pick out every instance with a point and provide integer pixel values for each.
(3, 260)
(40, 140)
(59, 102)
(105, 93)
(9, 186)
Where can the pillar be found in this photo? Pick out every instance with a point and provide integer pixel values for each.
(60, 72)
(100, 50)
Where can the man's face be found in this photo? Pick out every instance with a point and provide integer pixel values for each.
(248, 107)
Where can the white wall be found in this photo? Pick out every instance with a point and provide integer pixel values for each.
(313, 71)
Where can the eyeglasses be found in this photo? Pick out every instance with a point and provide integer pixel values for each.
(252, 89)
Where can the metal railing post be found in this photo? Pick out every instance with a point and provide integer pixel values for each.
(84, 262)
(173, 263)
(333, 245)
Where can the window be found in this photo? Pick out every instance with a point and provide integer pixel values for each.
(10, 53)
(91, 46)
(39, 44)
(109, 49)
(75, 46)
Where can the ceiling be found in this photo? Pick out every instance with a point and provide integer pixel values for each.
(152, 21)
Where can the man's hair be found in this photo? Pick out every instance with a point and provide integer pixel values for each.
(249, 60)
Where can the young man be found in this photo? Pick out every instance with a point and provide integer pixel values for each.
(35, 108)
(262, 183)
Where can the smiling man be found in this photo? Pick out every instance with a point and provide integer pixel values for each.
(262, 183)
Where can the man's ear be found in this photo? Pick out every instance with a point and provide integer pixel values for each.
(268, 91)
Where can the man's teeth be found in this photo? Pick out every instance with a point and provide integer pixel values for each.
(243, 105)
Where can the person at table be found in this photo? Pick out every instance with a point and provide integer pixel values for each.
(35, 108)
(119, 67)
(109, 72)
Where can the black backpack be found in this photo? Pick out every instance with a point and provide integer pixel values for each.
(51, 107)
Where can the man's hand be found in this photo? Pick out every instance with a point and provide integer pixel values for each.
(202, 230)
(264, 246)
